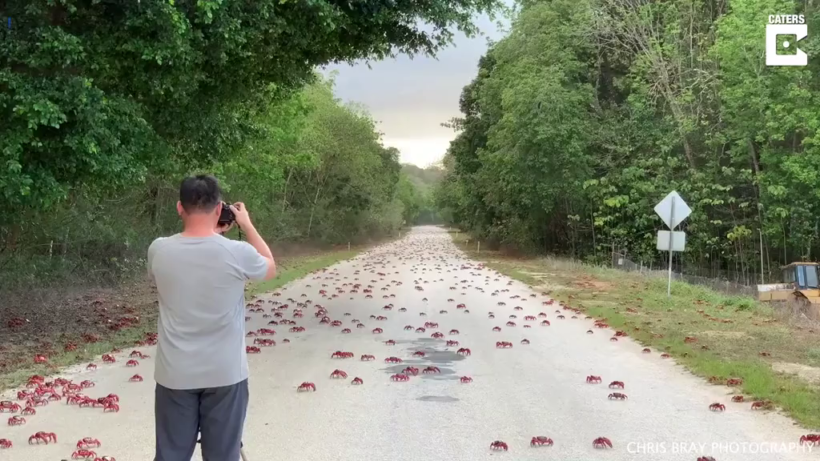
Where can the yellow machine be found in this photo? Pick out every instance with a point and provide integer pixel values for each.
(800, 284)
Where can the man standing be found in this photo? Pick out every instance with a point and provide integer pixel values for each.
(201, 367)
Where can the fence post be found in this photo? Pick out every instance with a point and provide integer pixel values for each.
(50, 248)
(478, 249)
(348, 246)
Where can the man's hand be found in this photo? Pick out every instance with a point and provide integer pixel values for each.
(243, 219)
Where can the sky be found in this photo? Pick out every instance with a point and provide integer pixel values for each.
(411, 98)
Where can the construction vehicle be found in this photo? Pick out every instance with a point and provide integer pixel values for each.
(800, 284)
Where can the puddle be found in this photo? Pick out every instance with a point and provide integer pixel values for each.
(437, 398)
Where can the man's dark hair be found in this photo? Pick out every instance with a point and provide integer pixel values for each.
(200, 193)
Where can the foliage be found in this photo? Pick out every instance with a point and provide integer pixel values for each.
(590, 112)
(105, 104)
(318, 174)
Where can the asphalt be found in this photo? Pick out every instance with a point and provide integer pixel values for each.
(517, 393)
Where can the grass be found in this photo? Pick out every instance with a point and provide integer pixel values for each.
(290, 269)
(731, 333)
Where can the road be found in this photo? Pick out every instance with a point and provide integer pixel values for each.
(517, 393)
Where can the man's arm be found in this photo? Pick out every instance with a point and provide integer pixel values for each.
(253, 238)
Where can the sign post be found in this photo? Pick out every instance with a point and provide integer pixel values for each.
(673, 210)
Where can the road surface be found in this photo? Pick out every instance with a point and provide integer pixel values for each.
(517, 393)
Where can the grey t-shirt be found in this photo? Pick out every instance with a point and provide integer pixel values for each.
(201, 326)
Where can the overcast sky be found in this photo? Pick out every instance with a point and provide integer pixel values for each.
(410, 98)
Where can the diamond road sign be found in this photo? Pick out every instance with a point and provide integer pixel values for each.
(681, 211)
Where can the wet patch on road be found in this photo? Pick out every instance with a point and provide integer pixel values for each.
(437, 398)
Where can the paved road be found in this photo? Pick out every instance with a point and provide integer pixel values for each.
(517, 393)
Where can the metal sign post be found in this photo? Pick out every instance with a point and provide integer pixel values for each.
(673, 210)
(671, 239)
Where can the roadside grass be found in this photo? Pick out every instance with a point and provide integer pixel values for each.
(290, 269)
(734, 337)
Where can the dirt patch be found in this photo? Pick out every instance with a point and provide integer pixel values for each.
(805, 372)
(55, 318)
(588, 283)
(725, 334)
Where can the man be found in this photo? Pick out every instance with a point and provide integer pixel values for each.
(201, 366)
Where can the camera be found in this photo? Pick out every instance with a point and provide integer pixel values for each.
(226, 216)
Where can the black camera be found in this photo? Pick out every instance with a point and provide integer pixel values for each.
(226, 216)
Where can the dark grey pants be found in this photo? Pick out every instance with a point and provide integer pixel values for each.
(218, 414)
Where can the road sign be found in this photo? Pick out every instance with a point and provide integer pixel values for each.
(673, 210)
(678, 240)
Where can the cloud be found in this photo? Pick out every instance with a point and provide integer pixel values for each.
(412, 97)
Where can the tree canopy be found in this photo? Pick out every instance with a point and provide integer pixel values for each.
(591, 111)
(105, 105)
(103, 91)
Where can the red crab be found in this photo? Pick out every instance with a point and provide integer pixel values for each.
(646, 350)
(44, 437)
(541, 441)
(367, 358)
(717, 407)
(5, 444)
(454, 332)
(466, 379)
(498, 445)
(138, 378)
(592, 379)
(464, 351)
(617, 396)
(336, 323)
(430, 370)
(338, 374)
(761, 405)
(545, 323)
(306, 386)
(108, 358)
(341, 355)
(410, 371)
(377, 331)
(737, 398)
(734, 381)
(602, 442)
(390, 342)
(28, 411)
(503, 344)
(706, 458)
(88, 442)
(437, 335)
(399, 378)
(525, 341)
(665, 356)
(9, 407)
(86, 384)
(17, 421)
(111, 406)
(419, 354)
(39, 358)
(83, 454)
(496, 329)
(392, 360)
(420, 330)
(452, 343)
(408, 328)
(616, 385)
(810, 439)
(132, 363)
(510, 324)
